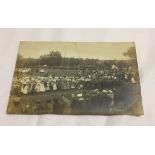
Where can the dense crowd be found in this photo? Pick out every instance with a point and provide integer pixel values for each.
(98, 79)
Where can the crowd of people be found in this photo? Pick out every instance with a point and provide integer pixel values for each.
(97, 79)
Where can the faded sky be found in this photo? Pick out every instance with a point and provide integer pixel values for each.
(95, 50)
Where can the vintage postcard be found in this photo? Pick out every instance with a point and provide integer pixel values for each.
(81, 78)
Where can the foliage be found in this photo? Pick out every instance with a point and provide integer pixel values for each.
(131, 53)
(54, 59)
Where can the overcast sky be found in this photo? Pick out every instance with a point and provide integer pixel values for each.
(96, 50)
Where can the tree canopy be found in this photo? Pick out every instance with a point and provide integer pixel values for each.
(131, 53)
(55, 59)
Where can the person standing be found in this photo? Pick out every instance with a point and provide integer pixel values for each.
(37, 88)
(25, 89)
(54, 85)
(42, 88)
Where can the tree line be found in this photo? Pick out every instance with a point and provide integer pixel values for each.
(55, 59)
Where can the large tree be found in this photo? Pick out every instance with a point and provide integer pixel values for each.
(131, 53)
(54, 58)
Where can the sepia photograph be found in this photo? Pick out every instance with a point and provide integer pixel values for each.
(78, 78)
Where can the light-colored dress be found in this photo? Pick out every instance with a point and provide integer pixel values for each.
(133, 80)
(42, 88)
(25, 90)
(54, 86)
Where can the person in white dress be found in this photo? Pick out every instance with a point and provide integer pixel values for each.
(54, 85)
(42, 87)
(133, 80)
(25, 89)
